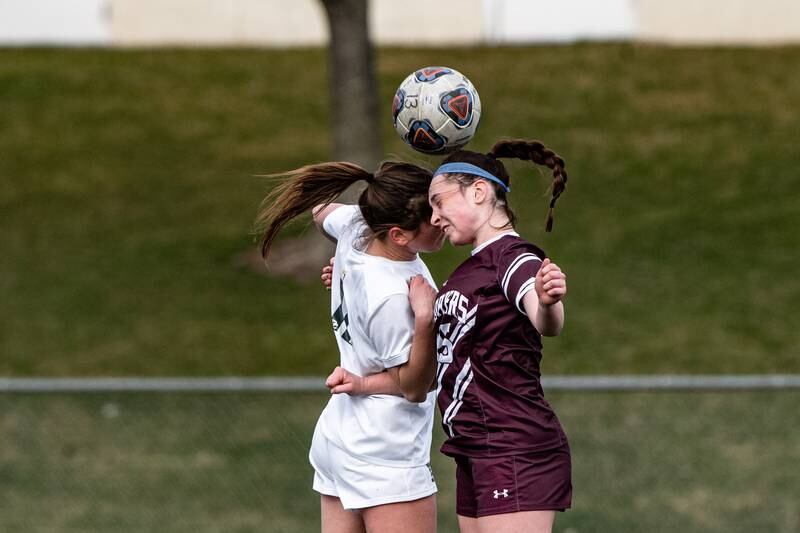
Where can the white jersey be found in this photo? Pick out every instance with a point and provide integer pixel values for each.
(374, 325)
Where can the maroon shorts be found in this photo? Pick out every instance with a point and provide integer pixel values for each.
(537, 481)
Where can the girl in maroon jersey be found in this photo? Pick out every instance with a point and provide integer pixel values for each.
(513, 464)
(513, 468)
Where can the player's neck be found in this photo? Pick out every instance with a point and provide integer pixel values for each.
(492, 228)
(390, 250)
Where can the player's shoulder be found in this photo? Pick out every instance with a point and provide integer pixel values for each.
(344, 213)
(379, 281)
(511, 247)
(516, 256)
(343, 220)
(514, 245)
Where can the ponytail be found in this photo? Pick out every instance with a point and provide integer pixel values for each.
(396, 195)
(541, 155)
(301, 190)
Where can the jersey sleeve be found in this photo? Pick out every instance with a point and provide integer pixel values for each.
(516, 271)
(391, 329)
(339, 219)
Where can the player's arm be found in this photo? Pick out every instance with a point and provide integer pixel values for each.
(415, 377)
(342, 381)
(320, 213)
(543, 305)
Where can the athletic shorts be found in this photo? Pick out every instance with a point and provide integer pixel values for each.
(528, 482)
(359, 484)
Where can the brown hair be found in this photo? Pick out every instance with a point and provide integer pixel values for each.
(396, 195)
(533, 151)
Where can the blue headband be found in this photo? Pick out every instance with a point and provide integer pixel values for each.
(468, 168)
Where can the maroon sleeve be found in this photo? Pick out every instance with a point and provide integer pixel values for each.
(516, 271)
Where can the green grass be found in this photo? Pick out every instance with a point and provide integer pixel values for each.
(642, 462)
(126, 187)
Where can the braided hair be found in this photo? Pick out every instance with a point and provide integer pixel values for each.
(533, 151)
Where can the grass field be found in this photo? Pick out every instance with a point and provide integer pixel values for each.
(642, 462)
(127, 187)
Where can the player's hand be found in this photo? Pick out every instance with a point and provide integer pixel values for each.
(551, 283)
(341, 381)
(327, 275)
(422, 297)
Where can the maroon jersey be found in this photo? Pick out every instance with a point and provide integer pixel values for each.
(489, 389)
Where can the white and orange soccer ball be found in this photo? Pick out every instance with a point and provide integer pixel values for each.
(436, 110)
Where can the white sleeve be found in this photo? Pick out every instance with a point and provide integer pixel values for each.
(391, 330)
(339, 219)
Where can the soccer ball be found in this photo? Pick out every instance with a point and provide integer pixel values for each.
(436, 110)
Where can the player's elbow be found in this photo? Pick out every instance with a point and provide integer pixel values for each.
(553, 331)
(415, 396)
(317, 214)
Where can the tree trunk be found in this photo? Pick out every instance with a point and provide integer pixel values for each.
(353, 85)
(356, 132)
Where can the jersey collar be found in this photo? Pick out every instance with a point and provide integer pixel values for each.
(493, 239)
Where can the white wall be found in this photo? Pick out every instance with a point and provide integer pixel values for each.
(426, 22)
(718, 21)
(510, 21)
(54, 21)
(219, 22)
(404, 22)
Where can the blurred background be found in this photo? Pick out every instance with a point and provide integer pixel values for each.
(133, 140)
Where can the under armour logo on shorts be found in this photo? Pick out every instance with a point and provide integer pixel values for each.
(503, 493)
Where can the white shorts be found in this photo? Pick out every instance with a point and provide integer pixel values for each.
(359, 484)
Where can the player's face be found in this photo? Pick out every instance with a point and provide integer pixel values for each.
(452, 211)
(429, 238)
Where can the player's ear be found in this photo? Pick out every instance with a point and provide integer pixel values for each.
(480, 190)
(399, 236)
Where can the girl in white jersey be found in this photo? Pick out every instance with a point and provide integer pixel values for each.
(371, 452)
